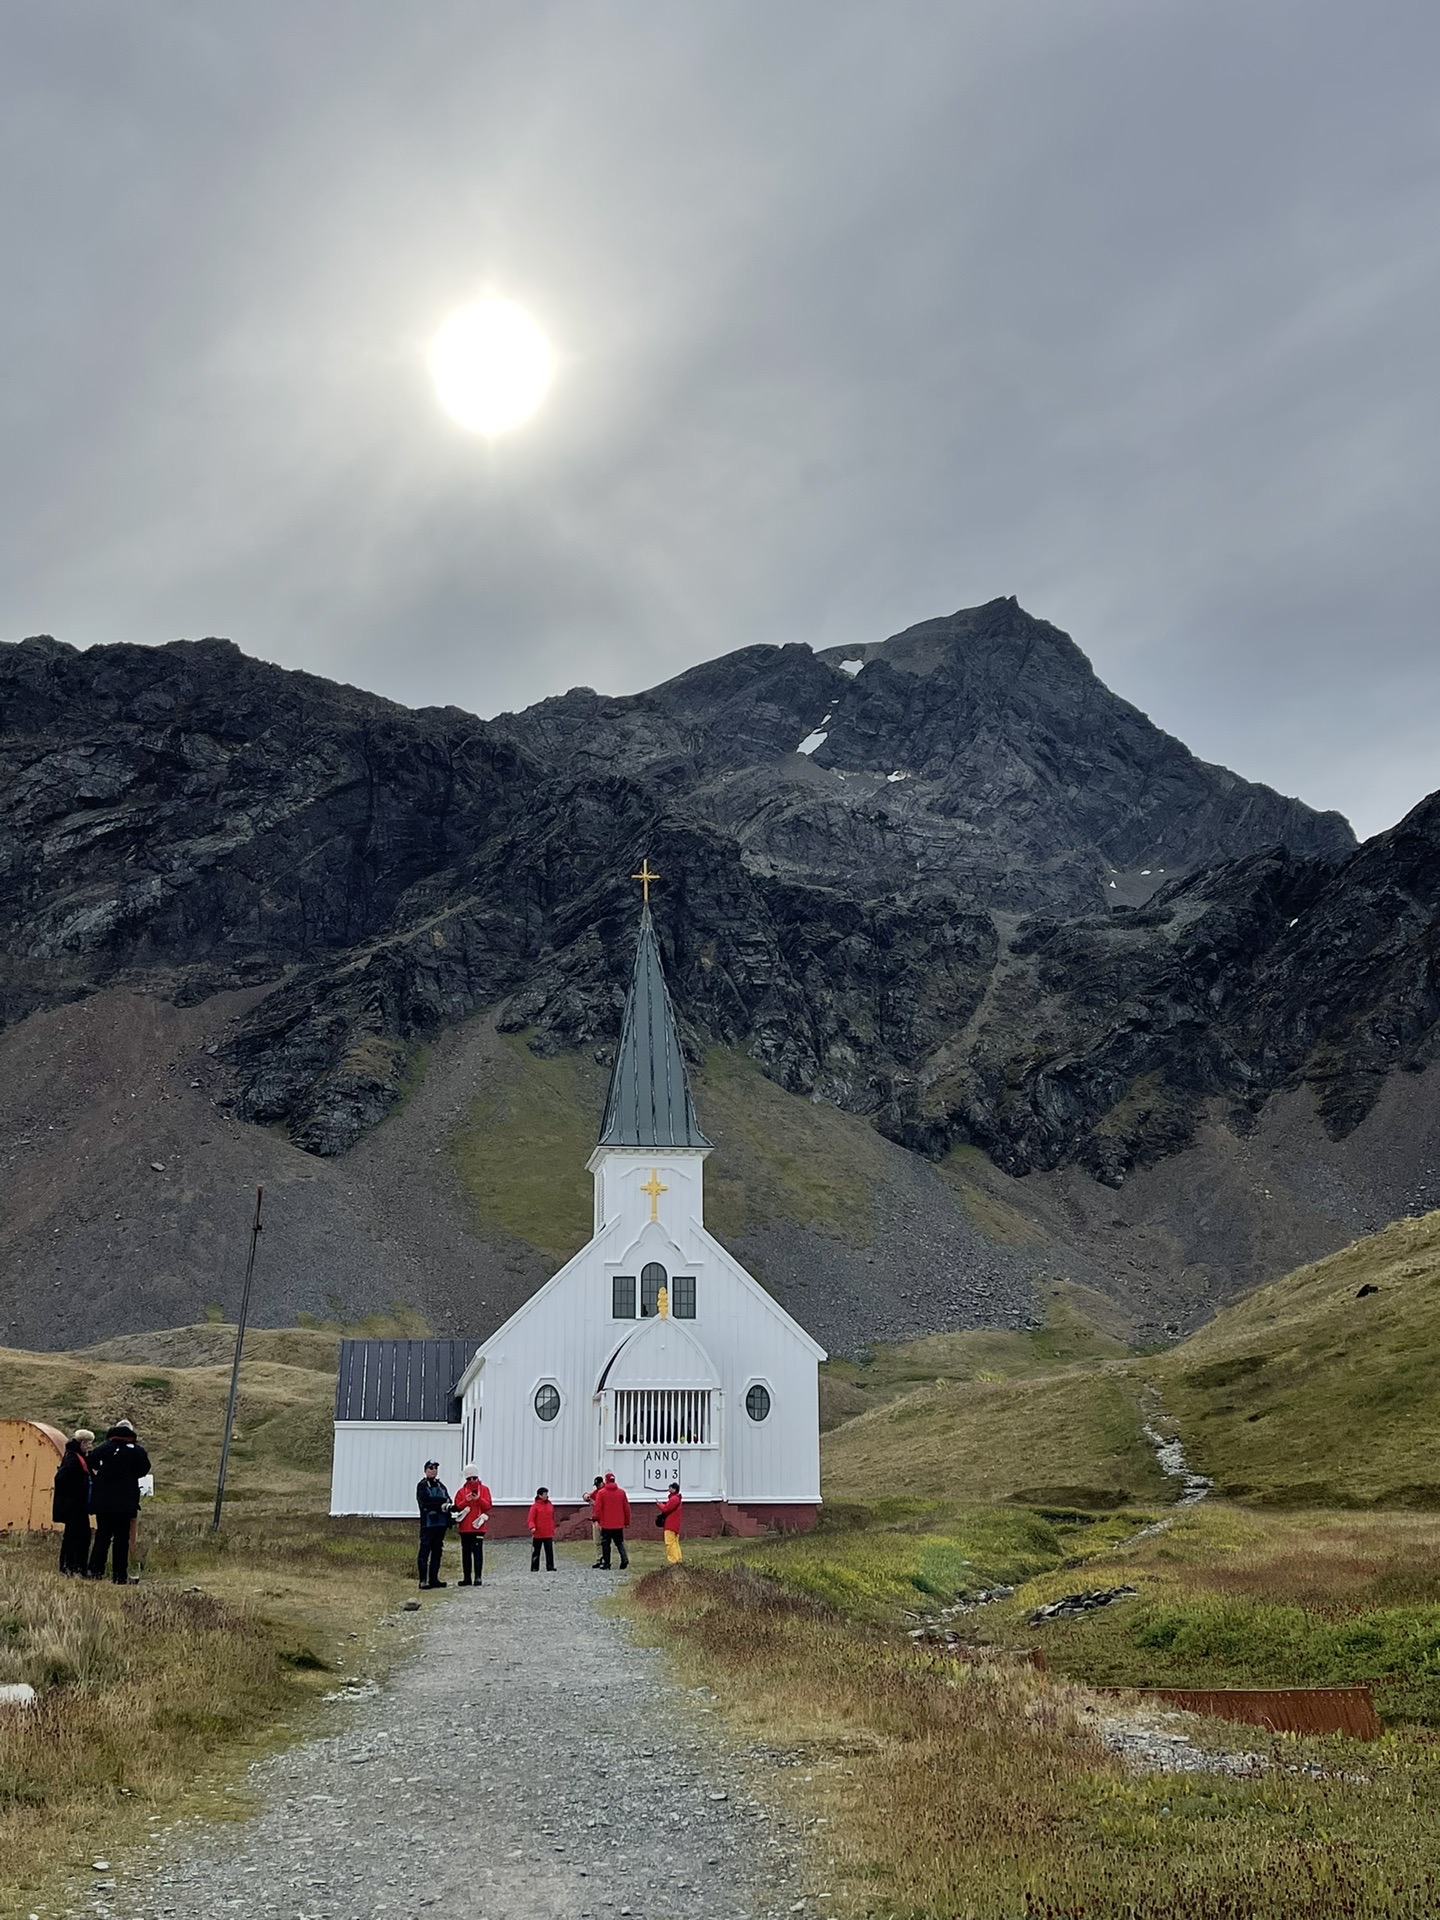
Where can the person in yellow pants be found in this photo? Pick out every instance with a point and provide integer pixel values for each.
(668, 1516)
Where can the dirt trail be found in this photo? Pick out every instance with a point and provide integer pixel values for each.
(529, 1763)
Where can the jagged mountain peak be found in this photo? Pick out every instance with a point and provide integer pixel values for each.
(948, 882)
(980, 753)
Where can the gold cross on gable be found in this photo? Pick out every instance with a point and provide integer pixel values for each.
(645, 876)
(654, 1187)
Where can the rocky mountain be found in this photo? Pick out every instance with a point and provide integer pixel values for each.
(979, 755)
(948, 884)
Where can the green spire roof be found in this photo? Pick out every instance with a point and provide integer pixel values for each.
(649, 1103)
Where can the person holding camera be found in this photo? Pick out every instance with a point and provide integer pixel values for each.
(471, 1508)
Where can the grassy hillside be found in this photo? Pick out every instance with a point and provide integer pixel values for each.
(1051, 1416)
(978, 1788)
(1232, 1598)
(521, 1154)
(1069, 1439)
(1074, 1332)
(283, 1421)
(1306, 1394)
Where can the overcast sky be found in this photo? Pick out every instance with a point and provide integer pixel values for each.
(1130, 308)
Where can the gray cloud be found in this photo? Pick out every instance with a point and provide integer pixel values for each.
(864, 313)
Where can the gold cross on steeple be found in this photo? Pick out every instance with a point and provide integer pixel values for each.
(654, 1187)
(645, 876)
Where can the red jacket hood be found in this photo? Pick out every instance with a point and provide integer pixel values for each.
(612, 1505)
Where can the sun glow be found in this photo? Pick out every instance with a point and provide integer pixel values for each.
(491, 365)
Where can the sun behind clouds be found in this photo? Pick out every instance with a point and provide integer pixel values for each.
(492, 366)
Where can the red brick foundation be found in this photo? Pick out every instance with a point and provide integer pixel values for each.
(702, 1518)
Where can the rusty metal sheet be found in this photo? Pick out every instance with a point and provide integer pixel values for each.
(1348, 1710)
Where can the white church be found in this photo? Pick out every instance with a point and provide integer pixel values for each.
(652, 1355)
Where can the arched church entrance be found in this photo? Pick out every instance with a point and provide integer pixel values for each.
(661, 1411)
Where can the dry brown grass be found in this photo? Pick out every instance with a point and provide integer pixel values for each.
(283, 1430)
(976, 1793)
(1334, 1564)
(152, 1696)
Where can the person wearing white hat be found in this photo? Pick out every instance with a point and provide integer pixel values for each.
(472, 1509)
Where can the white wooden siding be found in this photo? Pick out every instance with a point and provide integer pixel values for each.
(378, 1462)
(565, 1334)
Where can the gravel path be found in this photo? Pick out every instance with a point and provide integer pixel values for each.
(529, 1761)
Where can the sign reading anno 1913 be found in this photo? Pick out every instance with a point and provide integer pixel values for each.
(660, 1469)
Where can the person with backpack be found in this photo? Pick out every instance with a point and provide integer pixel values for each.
(117, 1467)
(667, 1515)
(432, 1497)
(70, 1507)
(541, 1521)
(612, 1511)
(472, 1510)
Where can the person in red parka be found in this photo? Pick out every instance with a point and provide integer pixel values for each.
(592, 1496)
(541, 1521)
(471, 1508)
(667, 1515)
(612, 1510)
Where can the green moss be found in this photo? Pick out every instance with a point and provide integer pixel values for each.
(909, 1557)
(980, 1188)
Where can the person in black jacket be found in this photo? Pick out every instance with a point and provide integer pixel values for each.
(433, 1499)
(116, 1469)
(71, 1504)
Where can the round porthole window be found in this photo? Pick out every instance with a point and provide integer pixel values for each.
(547, 1402)
(757, 1402)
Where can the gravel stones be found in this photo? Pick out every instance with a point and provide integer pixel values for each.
(1151, 1742)
(527, 1763)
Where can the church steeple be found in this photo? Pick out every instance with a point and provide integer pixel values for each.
(649, 1103)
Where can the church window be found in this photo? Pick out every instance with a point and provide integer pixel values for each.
(682, 1296)
(652, 1278)
(622, 1301)
(662, 1417)
(757, 1402)
(547, 1401)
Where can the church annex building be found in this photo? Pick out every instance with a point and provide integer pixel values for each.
(652, 1354)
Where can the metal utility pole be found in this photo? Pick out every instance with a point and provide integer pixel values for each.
(235, 1369)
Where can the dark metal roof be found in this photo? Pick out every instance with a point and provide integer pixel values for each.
(401, 1379)
(649, 1102)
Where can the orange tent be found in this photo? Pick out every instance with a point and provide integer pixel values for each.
(29, 1454)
